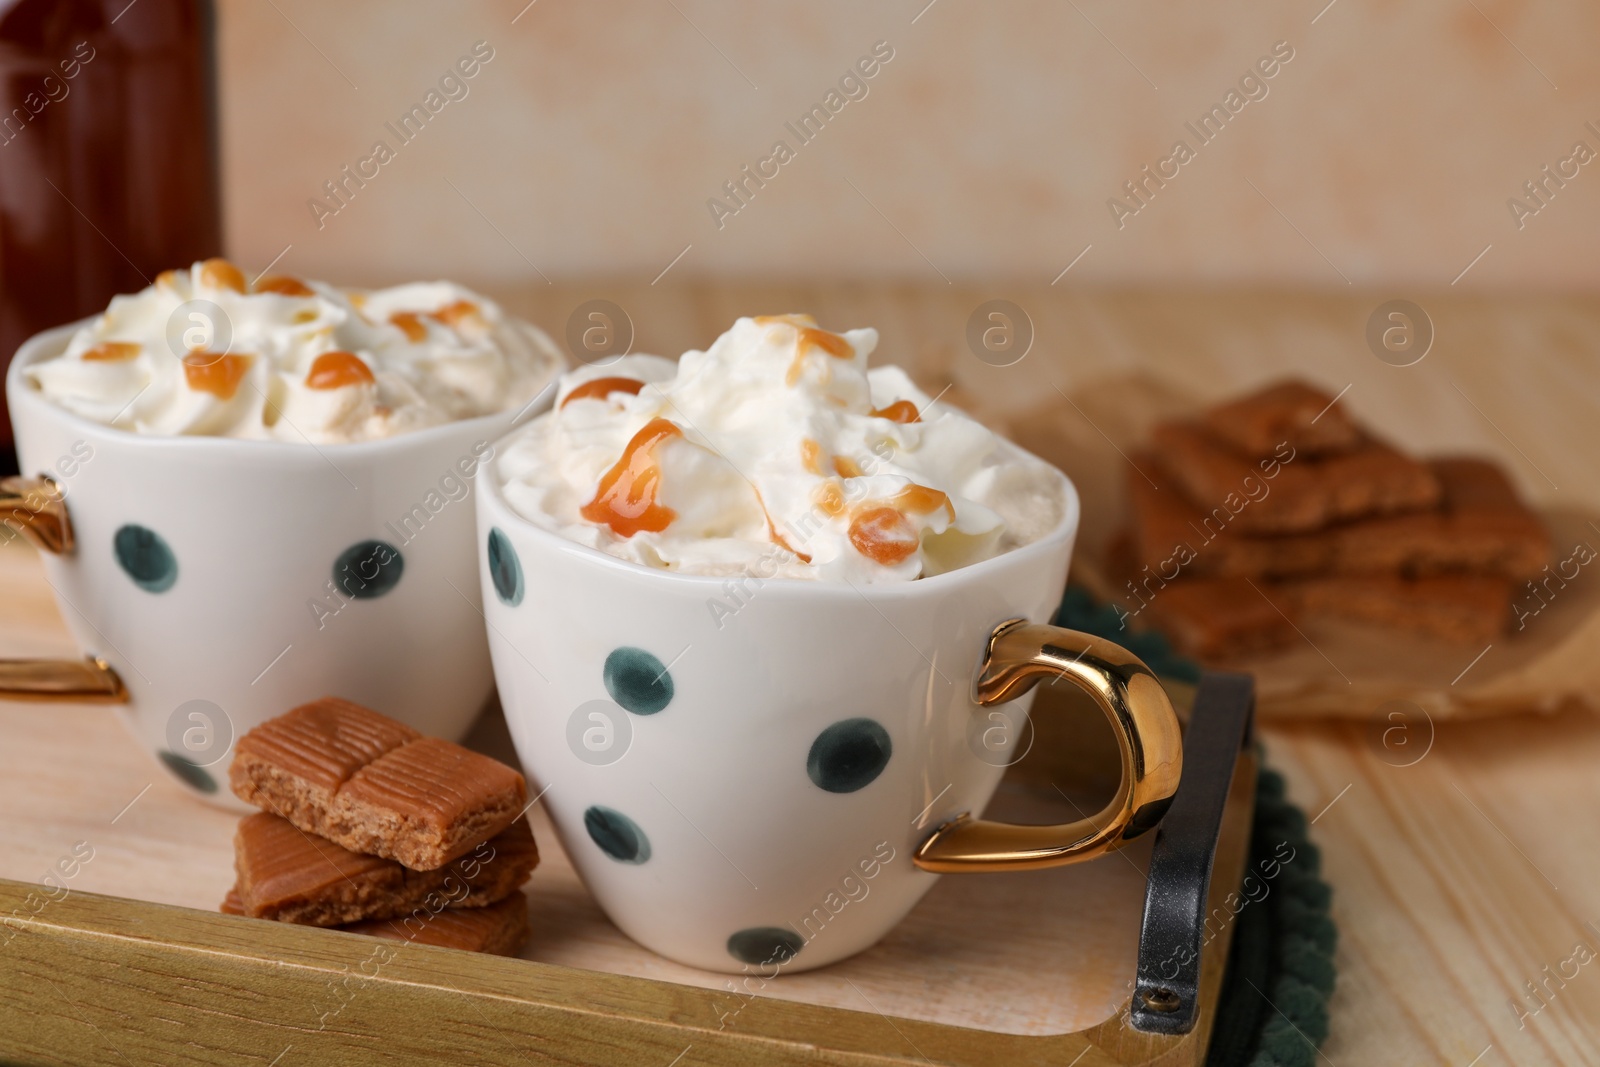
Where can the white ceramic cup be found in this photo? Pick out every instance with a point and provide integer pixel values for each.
(767, 774)
(223, 581)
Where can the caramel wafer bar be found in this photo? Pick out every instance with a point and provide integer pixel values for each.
(373, 785)
(289, 875)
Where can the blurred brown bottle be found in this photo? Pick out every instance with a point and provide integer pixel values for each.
(108, 157)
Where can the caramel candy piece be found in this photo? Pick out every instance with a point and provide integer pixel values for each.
(292, 765)
(1170, 536)
(499, 929)
(1290, 412)
(1480, 525)
(426, 803)
(373, 785)
(289, 875)
(1292, 493)
(1220, 618)
(1470, 608)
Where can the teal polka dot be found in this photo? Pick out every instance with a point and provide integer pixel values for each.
(505, 570)
(146, 557)
(848, 755)
(638, 681)
(762, 946)
(368, 569)
(193, 775)
(617, 835)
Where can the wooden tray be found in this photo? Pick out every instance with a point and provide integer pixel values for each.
(129, 962)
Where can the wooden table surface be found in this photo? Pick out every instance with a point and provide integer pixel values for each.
(1465, 858)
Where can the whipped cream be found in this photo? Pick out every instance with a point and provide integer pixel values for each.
(202, 351)
(776, 452)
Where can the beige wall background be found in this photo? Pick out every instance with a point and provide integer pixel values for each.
(1383, 154)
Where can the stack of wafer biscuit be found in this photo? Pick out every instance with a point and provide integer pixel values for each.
(370, 827)
(1278, 508)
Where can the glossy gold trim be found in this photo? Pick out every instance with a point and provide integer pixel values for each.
(36, 508)
(1020, 654)
(87, 681)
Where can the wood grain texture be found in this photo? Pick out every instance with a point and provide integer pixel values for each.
(95, 980)
(1457, 879)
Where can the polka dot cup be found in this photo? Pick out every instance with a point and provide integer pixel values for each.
(243, 578)
(760, 776)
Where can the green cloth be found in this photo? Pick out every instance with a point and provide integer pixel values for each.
(1273, 1010)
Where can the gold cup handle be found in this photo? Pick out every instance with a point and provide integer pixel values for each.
(1020, 654)
(37, 509)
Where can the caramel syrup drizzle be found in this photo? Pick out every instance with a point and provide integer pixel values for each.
(112, 352)
(332, 370)
(903, 411)
(881, 531)
(810, 455)
(283, 285)
(600, 388)
(884, 535)
(848, 467)
(410, 324)
(455, 314)
(452, 315)
(219, 375)
(627, 499)
(220, 274)
(772, 531)
(807, 337)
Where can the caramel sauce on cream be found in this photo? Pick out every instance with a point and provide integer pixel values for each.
(810, 455)
(454, 314)
(881, 531)
(410, 324)
(830, 499)
(219, 375)
(600, 388)
(331, 370)
(883, 535)
(627, 498)
(283, 285)
(900, 411)
(220, 274)
(922, 500)
(807, 337)
(772, 531)
(112, 352)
